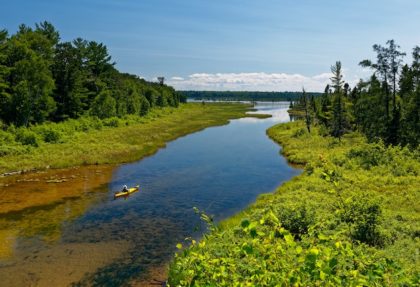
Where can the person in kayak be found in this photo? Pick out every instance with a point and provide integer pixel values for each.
(125, 188)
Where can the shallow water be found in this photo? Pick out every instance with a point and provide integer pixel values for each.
(75, 233)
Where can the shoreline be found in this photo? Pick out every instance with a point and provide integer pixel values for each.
(306, 200)
(144, 139)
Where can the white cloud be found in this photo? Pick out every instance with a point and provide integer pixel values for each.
(251, 82)
(177, 79)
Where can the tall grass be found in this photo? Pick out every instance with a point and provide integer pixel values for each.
(352, 218)
(89, 140)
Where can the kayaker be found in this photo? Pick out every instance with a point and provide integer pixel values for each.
(125, 188)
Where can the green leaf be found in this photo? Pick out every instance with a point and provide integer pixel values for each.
(289, 240)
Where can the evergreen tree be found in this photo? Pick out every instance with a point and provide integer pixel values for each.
(104, 105)
(30, 58)
(306, 106)
(5, 96)
(338, 122)
(70, 93)
(324, 113)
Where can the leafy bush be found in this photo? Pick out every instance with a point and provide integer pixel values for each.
(263, 253)
(85, 124)
(6, 137)
(297, 219)
(370, 155)
(27, 137)
(51, 136)
(300, 132)
(364, 216)
(111, 122)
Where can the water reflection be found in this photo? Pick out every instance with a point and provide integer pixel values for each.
(90, 239)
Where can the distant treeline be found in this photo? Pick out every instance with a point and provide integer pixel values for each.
(44, 79)
(244, 95)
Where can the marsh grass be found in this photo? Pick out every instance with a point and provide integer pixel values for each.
(352, 218)
(90, 140)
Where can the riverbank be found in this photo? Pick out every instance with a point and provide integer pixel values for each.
(88, 142)
(352, 218)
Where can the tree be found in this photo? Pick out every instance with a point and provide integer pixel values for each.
(306, 106)
(324, 113)
(29, 56)
(104, 105)
(337, 78)
(5, 95)
(338, 120)
(395, 62)
(49, 31)
(369, 110)
(144, 106)
(382, 69)
(70, 93)
(410, 92)
(161, 101)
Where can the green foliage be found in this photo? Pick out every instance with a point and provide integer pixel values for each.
(364, 217)
(51, 135)
(297, 219)
(370, 155)
(111, 122)
(27, 137)
(104, 106)
(351, 219)
(386, 107)
(43, 79)
(91, 140)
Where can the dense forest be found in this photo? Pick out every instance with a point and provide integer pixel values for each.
(45, 79)
(385, 107)
(244, 95)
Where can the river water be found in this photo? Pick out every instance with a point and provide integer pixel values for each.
(64, 228)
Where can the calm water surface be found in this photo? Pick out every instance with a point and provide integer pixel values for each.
(87, 238)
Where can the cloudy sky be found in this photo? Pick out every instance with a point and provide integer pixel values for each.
(267, 45)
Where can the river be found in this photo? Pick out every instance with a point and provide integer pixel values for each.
(61, 228)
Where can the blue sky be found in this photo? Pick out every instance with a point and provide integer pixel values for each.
(230, 44)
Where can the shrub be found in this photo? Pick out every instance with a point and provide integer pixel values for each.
(6, 137)
(300, 132)
(111, 122)
(364, 216)
(26, 137)
(51, 136)
(369, 155)
(11, 150)
(297, 220)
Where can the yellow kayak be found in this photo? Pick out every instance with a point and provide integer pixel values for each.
(128, 192)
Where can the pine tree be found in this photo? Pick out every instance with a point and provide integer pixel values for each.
(306, 106)
(338, 122)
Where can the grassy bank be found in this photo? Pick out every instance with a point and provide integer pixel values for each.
(115, 140)
(350, 219)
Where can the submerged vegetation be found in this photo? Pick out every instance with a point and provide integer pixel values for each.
(351, 218)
